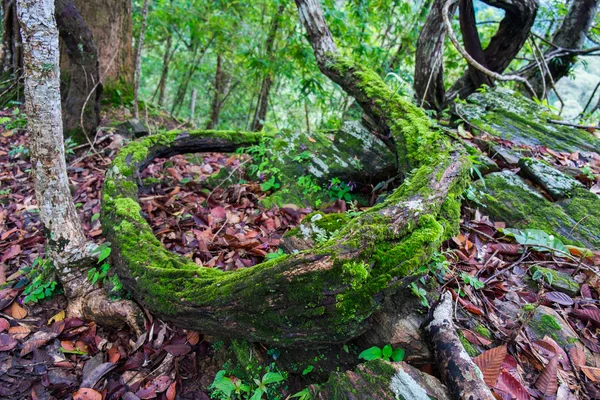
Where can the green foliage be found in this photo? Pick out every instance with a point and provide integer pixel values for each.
(42, 283)
(226, 387)
(18, 120)
(472, 281)
(100, 273)
(387, 353)
(420, 293)
(339, 190)
(538, 239)
(275, 255)
(19, 150)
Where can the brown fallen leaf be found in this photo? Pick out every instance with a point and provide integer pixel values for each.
(7, 342)
(193, 338)
(17, 312)
(547, 382)
(37, 340)
(4, 325)
(592, 373)
(578, 356)
(490, 362)
(19, 332)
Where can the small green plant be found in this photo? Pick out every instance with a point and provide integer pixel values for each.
(587, 171)
(471, 280)
(224, 387)
(70, 145)
(420, 293)
(308, 184)
(387, 353)
(99, 273)
(17, 151)
(339, 190)
(18, 121)
(304, 156)
(275, 255)
(269, 184)
(302, 395)
(42, 283)
(546, 275)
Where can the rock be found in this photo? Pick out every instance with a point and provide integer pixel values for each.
(547, 322)
(509, 157)
(378, 380)
(509, 115)
(351, 154)
(399, 323)
(506, 197)
(133, 128)
(561, 281)
(557, 184)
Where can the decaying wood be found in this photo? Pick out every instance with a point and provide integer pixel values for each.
(460, 374)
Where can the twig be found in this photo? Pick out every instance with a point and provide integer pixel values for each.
(553, 121)
(562, 102)
(472, 61)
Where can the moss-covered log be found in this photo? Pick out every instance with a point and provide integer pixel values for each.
(322, 295)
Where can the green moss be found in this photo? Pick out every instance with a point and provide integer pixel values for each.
(549, 322)
(483, 331)
(560, 281)
(510, 199)
(469, 348)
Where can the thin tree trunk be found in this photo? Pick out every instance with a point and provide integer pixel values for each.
(84, 82)
(162, 83)
(182, 89)
(193, 105)
(468, 27)
(138, 61)
(67, 247)
(262, 105)
(571, 35)
(221, 88)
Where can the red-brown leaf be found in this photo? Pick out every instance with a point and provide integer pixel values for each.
(178, 349)
(587, 315)
(490, 362)
(547, 382)
(578, 356)
(7, 342)
(511, 385)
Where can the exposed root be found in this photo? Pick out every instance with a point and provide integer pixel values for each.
(460, 374)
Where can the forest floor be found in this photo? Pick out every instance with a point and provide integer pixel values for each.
(534, 331)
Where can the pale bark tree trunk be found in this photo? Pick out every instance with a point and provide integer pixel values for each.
(85, 88)
(571, 35)
(138, 61)
(193, 105)
(262, 105)
(71, 253)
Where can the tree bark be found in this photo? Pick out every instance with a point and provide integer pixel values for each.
(111, 24)
(162, 83)
(85, 88)
(12, 54)
(262, 105)
(468, 27)
(504, 45)
(71, 253)
(138, 62)
(571, 35)
(429, 60)
(220, 88)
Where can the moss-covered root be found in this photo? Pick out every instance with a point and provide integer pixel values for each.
(379, 380)
(460, 374)
(322, 295)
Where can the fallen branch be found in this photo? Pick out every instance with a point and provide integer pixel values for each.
(462, 377)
